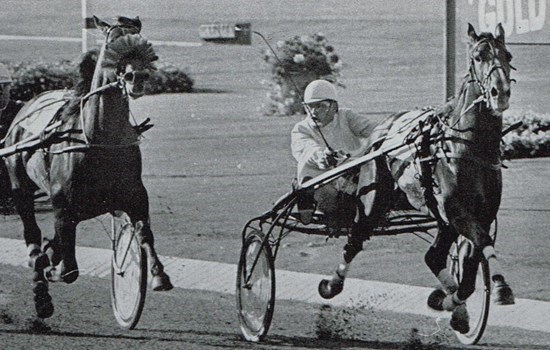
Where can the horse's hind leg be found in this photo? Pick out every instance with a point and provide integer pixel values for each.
(38, 261)
(24, 205)
(436, 260)
(375, 185)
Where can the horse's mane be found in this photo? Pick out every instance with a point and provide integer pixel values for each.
(83, 83)
(86, 69)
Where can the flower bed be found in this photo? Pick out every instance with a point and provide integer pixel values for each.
(297, 62)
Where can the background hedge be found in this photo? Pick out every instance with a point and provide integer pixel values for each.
(530, 140)
(32, 78)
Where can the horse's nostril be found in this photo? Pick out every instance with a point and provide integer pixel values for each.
(494, 92)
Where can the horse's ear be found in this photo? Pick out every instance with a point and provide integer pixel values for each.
(472, 32)
(134, 22)
(101, 25)
(499, 33)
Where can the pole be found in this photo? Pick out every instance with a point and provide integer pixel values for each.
(450, 48)
(84, 29)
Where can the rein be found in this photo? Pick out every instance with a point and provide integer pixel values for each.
(481, 83)
(87, 144)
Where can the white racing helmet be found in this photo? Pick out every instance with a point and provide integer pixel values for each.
(319, 90)
(5, 76)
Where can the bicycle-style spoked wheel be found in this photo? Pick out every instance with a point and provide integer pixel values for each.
(128, 272)
(478, 303)
(255, 287)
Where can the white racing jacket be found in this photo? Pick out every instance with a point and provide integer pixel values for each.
(348, 132)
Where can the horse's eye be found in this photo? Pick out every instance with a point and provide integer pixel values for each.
(129, 77)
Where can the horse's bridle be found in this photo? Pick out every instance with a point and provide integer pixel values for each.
(482, 82)
(120, 82)
(125, 28)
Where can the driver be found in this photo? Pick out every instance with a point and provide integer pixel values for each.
(327, 136)
(8, 111)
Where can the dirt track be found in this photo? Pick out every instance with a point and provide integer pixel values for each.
(198, 206)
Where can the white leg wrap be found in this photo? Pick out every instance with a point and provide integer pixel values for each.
(494, 265)
(447, 281)
(489, 252)
(342, 270)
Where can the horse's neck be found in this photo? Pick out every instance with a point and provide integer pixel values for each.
(474, 123)
(106, 114)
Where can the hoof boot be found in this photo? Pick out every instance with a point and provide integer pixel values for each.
(42, 300)
(503, 294)
(330, 289)
(460, 321)
(435, 300)
(161, 282)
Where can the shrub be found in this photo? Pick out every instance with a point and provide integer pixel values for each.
(32, 78)
(301, 60)
(530, 140)
(168, 78)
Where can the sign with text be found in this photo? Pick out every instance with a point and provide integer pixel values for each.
(226, 33)
(524, 21)
(217, 31)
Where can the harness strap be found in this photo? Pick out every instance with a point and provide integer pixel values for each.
(426, 173)
(453, 155)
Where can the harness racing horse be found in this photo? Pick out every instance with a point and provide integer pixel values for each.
(451, 170)
(93, 166)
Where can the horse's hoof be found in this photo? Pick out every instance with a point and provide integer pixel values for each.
(42, 300)
(161, 282)
(60, 273)
(503, 294)
(435, 300)
(460, 321)
(330, 289)
(70, 276)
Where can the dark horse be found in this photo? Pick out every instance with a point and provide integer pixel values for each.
(93, 164)
(451, 169)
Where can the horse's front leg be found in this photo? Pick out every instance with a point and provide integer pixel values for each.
(63, 250)
(483, 246)
(139, 214)
(160, 280)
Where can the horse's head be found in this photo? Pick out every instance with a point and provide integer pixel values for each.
(490, 67)
(127, 56)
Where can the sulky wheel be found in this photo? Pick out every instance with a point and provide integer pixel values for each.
(128, 272)
(255, 287)
(477, 305)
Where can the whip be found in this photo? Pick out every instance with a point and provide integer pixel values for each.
(296, 88)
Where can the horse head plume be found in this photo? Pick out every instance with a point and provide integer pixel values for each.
(127, 50)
